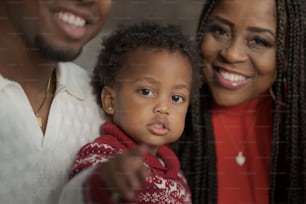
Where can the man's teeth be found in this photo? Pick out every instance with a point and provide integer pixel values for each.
(232, 77)
(71, 19)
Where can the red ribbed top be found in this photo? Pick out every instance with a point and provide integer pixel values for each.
(245, 128)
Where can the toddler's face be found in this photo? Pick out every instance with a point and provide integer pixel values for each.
(151, 96)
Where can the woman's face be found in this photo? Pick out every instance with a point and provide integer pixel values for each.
(239, 50)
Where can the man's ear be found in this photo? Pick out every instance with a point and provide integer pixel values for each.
(107, 98)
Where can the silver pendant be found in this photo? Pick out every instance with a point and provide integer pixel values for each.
(240, 158)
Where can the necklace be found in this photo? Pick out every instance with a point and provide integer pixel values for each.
(240, 158)
(38, 117)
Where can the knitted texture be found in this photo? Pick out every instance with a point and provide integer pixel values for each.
(166, 184)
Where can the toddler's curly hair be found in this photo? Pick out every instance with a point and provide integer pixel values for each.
(149, 35)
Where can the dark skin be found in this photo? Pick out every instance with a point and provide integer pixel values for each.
(124, 173)
(240, 43)
(157, 86)
(21, 59)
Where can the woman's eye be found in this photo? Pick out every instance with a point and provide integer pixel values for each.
(178, 99)
(146, 92)
(219, 31)
(260, 42)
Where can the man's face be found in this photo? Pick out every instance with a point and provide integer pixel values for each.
(57, 28)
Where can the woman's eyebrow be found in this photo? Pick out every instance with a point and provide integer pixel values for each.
(261, 30)
(254, 29)
(222, 20)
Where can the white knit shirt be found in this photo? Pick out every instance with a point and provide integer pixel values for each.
(34, 166)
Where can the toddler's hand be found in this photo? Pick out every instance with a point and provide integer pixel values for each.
(124, 173)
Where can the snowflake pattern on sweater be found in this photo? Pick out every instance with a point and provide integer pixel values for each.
(161, 190)
(165, 185)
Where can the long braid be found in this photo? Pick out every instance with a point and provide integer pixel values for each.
(276, 171)
(197, 155)
(294, 127)
(303, 94)
(207, 170)
(296, 156)
(293, 153)
(207, 9)
(291, 123)
(298, 194)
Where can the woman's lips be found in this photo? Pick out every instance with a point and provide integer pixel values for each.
(229, 80)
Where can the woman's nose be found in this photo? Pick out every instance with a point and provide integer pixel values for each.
(234, 52)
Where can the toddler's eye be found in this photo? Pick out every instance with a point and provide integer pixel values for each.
(177, 99)
(146, 92)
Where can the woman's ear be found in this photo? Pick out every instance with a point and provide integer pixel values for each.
(107, 98)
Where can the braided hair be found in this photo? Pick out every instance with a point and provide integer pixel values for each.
(196, 148)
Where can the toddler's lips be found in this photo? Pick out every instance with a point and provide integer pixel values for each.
(159, 127)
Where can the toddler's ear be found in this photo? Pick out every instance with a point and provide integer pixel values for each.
(107, 98)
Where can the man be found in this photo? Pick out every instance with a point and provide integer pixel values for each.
(47, 111)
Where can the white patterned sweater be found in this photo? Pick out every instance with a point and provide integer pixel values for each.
(34, 166)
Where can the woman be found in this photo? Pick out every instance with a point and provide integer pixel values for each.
(247, 144)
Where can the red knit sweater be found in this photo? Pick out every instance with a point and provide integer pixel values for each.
(166, 184)
(246, 128)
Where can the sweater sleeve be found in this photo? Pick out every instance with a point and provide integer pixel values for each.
(95, 192)
(95, 153)
(85, 185)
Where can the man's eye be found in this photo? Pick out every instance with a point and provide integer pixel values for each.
(178, 99)
(146, 92)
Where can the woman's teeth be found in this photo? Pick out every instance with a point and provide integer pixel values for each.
(232, 77)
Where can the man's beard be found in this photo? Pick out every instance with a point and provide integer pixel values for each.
(53, 53)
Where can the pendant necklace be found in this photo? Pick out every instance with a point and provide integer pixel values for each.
(38, 117)
(240, 157)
